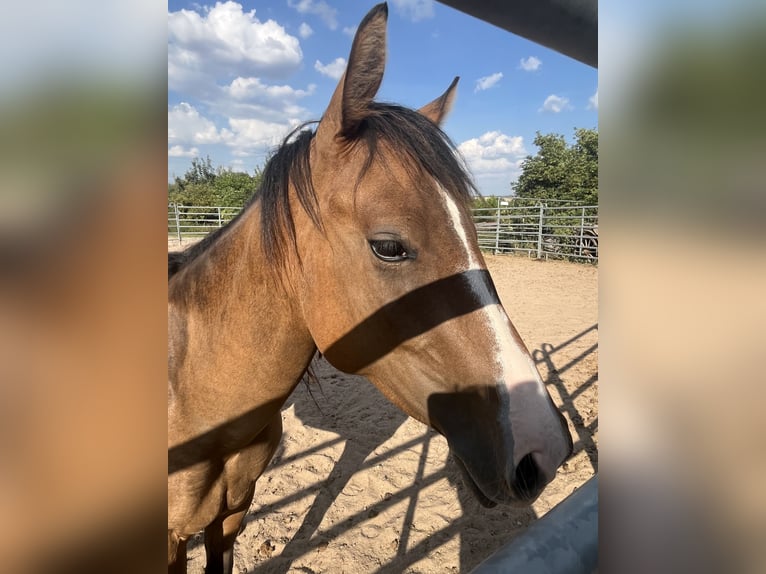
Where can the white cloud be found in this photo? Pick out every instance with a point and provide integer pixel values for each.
(555, 104)
(181, 151)
(332, 70)
(414, 10)
(350, 30)
(221, 59)
(226, 41)
(530, 64)
(253, 89)
(487, 82)
(494, 154)
(252, 98)
(187, 126)
(245, 136)
(593, 101)
(304, 31)
(327, 13)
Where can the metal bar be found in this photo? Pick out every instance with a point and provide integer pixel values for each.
(564, 541)
(540, 233)
(497, 230)
(178, 223)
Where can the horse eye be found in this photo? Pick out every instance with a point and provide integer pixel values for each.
(389, 250)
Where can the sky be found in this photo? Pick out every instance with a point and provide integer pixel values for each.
(242, 75)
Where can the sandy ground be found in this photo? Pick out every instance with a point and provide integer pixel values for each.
(357, 486)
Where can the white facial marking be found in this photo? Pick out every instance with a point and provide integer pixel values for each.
(510, 356)
(515, 367)
(454, 213)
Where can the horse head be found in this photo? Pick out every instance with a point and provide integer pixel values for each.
(392, 284)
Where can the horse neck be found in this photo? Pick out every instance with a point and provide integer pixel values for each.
(242, 331)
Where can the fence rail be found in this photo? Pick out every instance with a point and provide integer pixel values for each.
(540, 231)
(533, 228)
(197, 221)
(564, 541)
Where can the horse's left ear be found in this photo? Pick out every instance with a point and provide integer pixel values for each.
(437, 110)
(357, 88)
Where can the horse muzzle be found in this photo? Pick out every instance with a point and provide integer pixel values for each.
(520, 489)
(500, 463)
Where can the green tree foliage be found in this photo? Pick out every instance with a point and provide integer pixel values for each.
(482, 202)
(561, 171)
(234, 188)
(200, 172)
(204, 185)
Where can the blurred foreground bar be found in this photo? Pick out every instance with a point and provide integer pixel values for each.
(83, 183)
(564, 541)
(567, 26)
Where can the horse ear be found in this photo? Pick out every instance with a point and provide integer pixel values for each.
(437, 110)
(364, 73)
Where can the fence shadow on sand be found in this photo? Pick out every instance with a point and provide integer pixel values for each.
(364, 446)
(361, 452)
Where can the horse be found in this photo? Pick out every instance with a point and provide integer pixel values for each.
(359, 245)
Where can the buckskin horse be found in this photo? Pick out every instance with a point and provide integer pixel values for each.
(359, 244)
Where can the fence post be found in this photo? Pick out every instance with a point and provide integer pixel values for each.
(178, 223)
(220, 223)
(582, 226)
(540, 233)
(497, 229)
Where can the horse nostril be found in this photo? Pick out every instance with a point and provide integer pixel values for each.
(528, 480)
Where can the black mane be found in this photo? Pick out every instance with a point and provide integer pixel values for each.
(418, 142)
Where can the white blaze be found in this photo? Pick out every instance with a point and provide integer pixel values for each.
(454, 213)
(514, 365)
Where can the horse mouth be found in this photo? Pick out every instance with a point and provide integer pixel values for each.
(483, 499)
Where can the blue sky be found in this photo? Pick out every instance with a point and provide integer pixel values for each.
(241, 75)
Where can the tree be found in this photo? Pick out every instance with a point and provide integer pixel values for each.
(204, 185)
(561, 171)
(584, 174)
(234, 188)
(200, 172)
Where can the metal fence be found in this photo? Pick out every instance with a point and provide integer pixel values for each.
(534, 228)
(539, 230)
(197, 221)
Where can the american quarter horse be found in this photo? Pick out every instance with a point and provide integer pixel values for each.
(359, 243)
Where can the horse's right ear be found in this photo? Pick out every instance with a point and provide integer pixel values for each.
(359, 84)
(437, 110)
